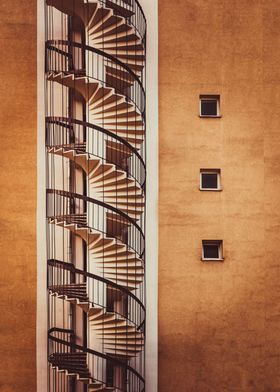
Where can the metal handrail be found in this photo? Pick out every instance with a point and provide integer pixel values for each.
(50, 43)
(72, 268)
(72, 195)
(100, 203)
(90, 351)
(70, 44)
(67, 122)
(110, 74)
(62, 276)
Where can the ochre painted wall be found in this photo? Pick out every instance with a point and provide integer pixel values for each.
(18, 195)
(219, 323)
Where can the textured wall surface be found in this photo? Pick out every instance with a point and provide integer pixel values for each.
(219, 323)
(18, 195)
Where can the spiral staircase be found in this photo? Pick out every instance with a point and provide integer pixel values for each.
(115, 259)
(106, 180)
(110, 28)
(95, 60)
(107, 107)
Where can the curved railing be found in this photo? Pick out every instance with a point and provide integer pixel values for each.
(62, 274)
(95, 141)
(69, 57)
(94, 215)
(62, 344)
(131, 10)
(92, 82)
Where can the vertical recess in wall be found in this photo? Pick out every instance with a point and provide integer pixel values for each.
(96, 183)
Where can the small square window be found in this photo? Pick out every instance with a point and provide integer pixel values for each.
(210, 106)
(210, 179)
(212, 250)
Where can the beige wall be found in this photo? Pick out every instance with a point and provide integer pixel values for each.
(219, 324)
(18, 195)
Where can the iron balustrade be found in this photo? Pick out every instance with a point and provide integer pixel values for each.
(131, 10)
(62, 275)
(94, 215)
(62, 347)
(96, 142)
(81, 128)
(82, 60)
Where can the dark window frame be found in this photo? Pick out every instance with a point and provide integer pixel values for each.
(212, 243)
(205, 98)
(217, 173)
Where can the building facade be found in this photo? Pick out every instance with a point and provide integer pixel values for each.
(219, 321)
(219, 318)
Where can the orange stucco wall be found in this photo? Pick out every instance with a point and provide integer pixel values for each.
(18, 195)
(219, 323)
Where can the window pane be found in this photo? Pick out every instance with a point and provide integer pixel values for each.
(209, 180)
(211, 251)
(209, 107)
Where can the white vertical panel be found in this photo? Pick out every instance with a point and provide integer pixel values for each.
(41, 341)
(150, 9)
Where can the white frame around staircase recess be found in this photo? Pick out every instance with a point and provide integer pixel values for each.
(150, 9)
(41, 335)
